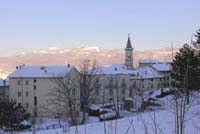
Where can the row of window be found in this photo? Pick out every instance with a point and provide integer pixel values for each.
(19, 82)
(27, 104)
(19, 94)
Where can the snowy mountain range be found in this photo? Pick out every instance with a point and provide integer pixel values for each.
(61, 56)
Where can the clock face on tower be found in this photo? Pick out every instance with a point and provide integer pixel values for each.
(129, 56)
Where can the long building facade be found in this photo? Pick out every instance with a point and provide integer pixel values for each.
(31, 86)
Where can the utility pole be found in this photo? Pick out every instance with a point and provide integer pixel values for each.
(172, 47)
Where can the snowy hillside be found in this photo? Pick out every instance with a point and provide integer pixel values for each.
(160, 121)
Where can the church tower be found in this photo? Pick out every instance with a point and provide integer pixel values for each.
(129, 54)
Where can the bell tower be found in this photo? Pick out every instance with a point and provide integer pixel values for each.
(129, 54)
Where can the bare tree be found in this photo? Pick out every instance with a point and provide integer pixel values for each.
(65, 98)
(181, 108)
(88, 84)
(113, 87)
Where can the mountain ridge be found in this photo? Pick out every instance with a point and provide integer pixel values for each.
(62, 56)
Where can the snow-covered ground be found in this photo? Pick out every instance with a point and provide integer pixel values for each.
(161, 121)
(134, 124)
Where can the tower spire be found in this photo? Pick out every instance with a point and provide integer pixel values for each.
(129, 53)
(129, 45)
(129, 35)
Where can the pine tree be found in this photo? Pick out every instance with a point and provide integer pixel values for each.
(12, 115)
(196, 45)
(184, 69)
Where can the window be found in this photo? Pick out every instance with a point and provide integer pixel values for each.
(97, 85)
(164, 84)
(27, 105)
(19, 94)
(19, 82)
(35, 100)
(27, 82)
(27, 93)
(158, 85)
(151, 86)
(111, 83)
(97, 80)
(35, 87)
(34, 80)
(35, 113)
(152, 80)
(123, 84)
(167, 84)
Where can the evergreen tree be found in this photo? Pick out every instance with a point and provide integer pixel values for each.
(183, 69)
(196, 45)
(12, 115)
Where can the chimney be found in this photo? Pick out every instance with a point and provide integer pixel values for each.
(42, 67)
(17, 67)
(68, 65)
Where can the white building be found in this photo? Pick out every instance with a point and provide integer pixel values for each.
(31, 86)
(113, 83)
(147, 78)
(121, 81)
(165, 70)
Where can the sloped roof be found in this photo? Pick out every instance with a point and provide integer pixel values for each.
(114, 69)
(146, 72)
(150, 61)
(162, 67)
(41, 71)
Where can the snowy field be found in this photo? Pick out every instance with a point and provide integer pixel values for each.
(158, 122)
(134, 125)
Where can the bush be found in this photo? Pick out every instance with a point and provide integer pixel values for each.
(12, 115)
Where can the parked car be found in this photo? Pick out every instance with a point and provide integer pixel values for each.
(107, 114)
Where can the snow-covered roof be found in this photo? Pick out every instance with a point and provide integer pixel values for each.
(4, 83)
(148, 61)
(114, 69)
(146, 72)
(162, 67)
(41, 71)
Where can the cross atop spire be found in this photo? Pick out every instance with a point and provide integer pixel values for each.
(129, 45)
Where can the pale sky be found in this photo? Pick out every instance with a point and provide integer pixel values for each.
(27, 25)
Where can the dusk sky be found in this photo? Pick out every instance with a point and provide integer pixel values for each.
(27, 25)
